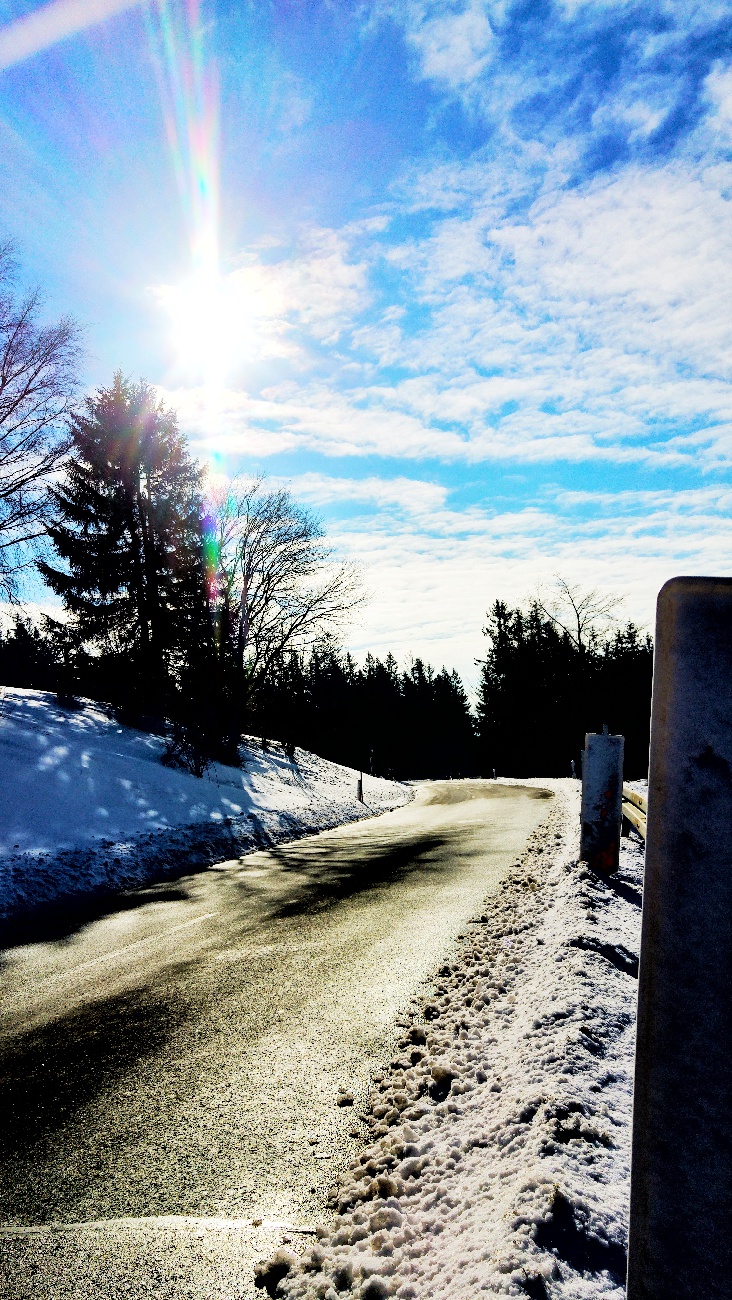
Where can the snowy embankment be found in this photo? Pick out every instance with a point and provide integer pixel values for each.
(86, 805)
(499, 1161)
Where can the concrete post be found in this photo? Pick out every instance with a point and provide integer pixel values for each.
(602, 798)
(681, 1170)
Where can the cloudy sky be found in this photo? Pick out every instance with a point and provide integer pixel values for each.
(459, 272)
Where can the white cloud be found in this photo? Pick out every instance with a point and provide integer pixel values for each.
(414, 496)
(236, 424)
(612, 303)
(320, 289)
(598, 326)
(452, 47)
(719, 91)
(433, 588)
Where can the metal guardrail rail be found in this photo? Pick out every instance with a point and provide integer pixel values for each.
(635, 810)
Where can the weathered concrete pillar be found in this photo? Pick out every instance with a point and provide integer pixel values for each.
(681, 1174)
(602, 798)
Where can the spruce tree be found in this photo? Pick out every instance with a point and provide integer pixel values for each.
(540, 692)
(128, 531)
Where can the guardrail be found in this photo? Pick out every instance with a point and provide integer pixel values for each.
(635, 811)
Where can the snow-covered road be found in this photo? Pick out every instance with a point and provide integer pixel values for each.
(177, 1075)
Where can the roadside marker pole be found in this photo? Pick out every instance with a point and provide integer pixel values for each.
(602, 799)
(681, 1170)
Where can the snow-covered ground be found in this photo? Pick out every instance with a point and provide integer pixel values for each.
(86, 804)
(499, 1156)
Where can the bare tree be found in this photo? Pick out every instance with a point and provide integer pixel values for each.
(37, 383)
(279, 586)
(581, 614)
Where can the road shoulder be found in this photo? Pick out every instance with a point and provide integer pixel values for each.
(499, 1158)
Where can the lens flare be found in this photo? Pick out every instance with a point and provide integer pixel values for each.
(211, 552)
(217, 501)
(199, 309)
(188, 81)
(200, 313)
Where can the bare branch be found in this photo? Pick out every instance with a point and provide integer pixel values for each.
(38, 366)
(282, 586)
(579, 614)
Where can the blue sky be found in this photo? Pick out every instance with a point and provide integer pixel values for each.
(459, 273)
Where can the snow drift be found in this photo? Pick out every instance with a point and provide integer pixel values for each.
(86, 805)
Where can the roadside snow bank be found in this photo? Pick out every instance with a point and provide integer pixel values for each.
(500, 1134)
(86, 805)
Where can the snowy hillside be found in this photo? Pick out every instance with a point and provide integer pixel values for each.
(86, 804)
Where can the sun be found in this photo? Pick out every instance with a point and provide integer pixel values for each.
(219, 324)
(211, 328)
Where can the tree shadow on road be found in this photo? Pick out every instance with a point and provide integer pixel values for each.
(50, 1073)
(56, 921)
(321, 873)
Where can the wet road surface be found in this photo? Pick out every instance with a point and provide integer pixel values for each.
(169, 1070)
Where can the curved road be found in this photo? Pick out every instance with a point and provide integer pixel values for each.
(170, 1070)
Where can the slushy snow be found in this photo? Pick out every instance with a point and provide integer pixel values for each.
(86, 805)
(499, 1153)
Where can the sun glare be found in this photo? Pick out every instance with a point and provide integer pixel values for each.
(209, 328)
(219, 323)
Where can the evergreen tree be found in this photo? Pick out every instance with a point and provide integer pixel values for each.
(531, 681)
(625, 679)
(453, 727)
(541, 691)
(27, 658)
(417, 723)
(128, 531)
(381, 709)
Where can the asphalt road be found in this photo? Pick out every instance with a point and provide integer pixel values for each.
(170, 1069)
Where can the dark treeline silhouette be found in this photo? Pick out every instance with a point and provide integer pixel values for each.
(27, 658)
(541, 690)
(411, 723)
(414, 723)
(539, 693)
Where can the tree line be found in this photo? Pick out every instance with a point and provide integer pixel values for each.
(416, 722)
(211, 608)
(544, 683)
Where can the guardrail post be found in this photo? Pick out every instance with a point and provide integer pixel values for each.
(681, 1169)
(602, 798)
